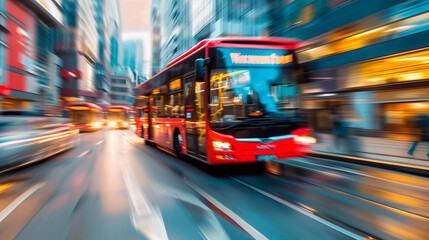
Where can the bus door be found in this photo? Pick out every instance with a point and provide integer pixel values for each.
(150, 117)
(195, 116)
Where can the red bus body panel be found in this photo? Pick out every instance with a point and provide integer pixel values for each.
(247, 151)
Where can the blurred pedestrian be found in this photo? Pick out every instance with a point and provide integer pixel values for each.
(422, 123)
(340, 130)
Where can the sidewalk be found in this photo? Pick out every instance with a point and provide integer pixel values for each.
(382, 151)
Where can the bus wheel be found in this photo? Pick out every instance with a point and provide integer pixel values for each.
(178, 143)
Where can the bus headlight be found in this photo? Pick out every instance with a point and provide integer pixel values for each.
(125, 124)
(304, 140)
(221, 146)
(112, 124)
(97, 124)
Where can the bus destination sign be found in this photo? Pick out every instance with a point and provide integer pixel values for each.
(237, 58)
(251, 57)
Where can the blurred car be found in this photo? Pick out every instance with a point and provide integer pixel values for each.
(28, 136)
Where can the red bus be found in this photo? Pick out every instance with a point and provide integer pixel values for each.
(228, 100)
(85, 116)
(118, 117)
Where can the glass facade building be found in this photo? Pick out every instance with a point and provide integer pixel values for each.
(133, 56)
(155, 20)
(175, 29)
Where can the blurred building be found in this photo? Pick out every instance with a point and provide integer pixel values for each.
(78, 47)
(369, 57)
(4, 89)
(184, 23)
(133, 56)
(175, 29)
(140, 80)
(155, 21)
(109, 28)
(31, 69)
(114, 31)
(216, 18)
(122, 86)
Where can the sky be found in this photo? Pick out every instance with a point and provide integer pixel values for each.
(135, 15)
(136, 23)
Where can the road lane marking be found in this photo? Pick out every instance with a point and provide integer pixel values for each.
(131, 138)
(100, 142)
(84, 154)
(13, 205)
(237, 219)
(146, 218)
(302, 211)
(209, 226)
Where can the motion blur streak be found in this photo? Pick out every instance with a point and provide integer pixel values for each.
(18, 201)
(40, 139)
(126, 189)
(214, 119)
(306, 211)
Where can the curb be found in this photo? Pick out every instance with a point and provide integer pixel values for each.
(401, 167)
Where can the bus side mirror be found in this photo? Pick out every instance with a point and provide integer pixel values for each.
(200, 69)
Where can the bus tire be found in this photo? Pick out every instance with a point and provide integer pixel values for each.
(178, 143)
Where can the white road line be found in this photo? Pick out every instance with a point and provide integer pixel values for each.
(302, 211)
(100, 142)
(237, 219)
(209, 226)
(13, 205)
(129, 139)
(83, 154)
(147, 218)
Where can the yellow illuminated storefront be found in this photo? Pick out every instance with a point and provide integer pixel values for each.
(10, 103)
(398, 68)
(400, 109)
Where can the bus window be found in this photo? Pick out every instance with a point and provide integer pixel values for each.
(175, 105)
(200, 112)
(156, 105)
(199, 100)
(189, 100)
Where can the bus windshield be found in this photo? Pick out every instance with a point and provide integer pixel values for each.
(82, 116)
(237, 94)
(117, 116)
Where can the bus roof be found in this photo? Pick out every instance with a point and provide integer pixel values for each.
(248, 42)
(82, 105)
(119, 107)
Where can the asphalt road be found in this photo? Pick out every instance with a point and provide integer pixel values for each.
(113, 186)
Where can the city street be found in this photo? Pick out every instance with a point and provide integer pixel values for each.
(113, 186)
